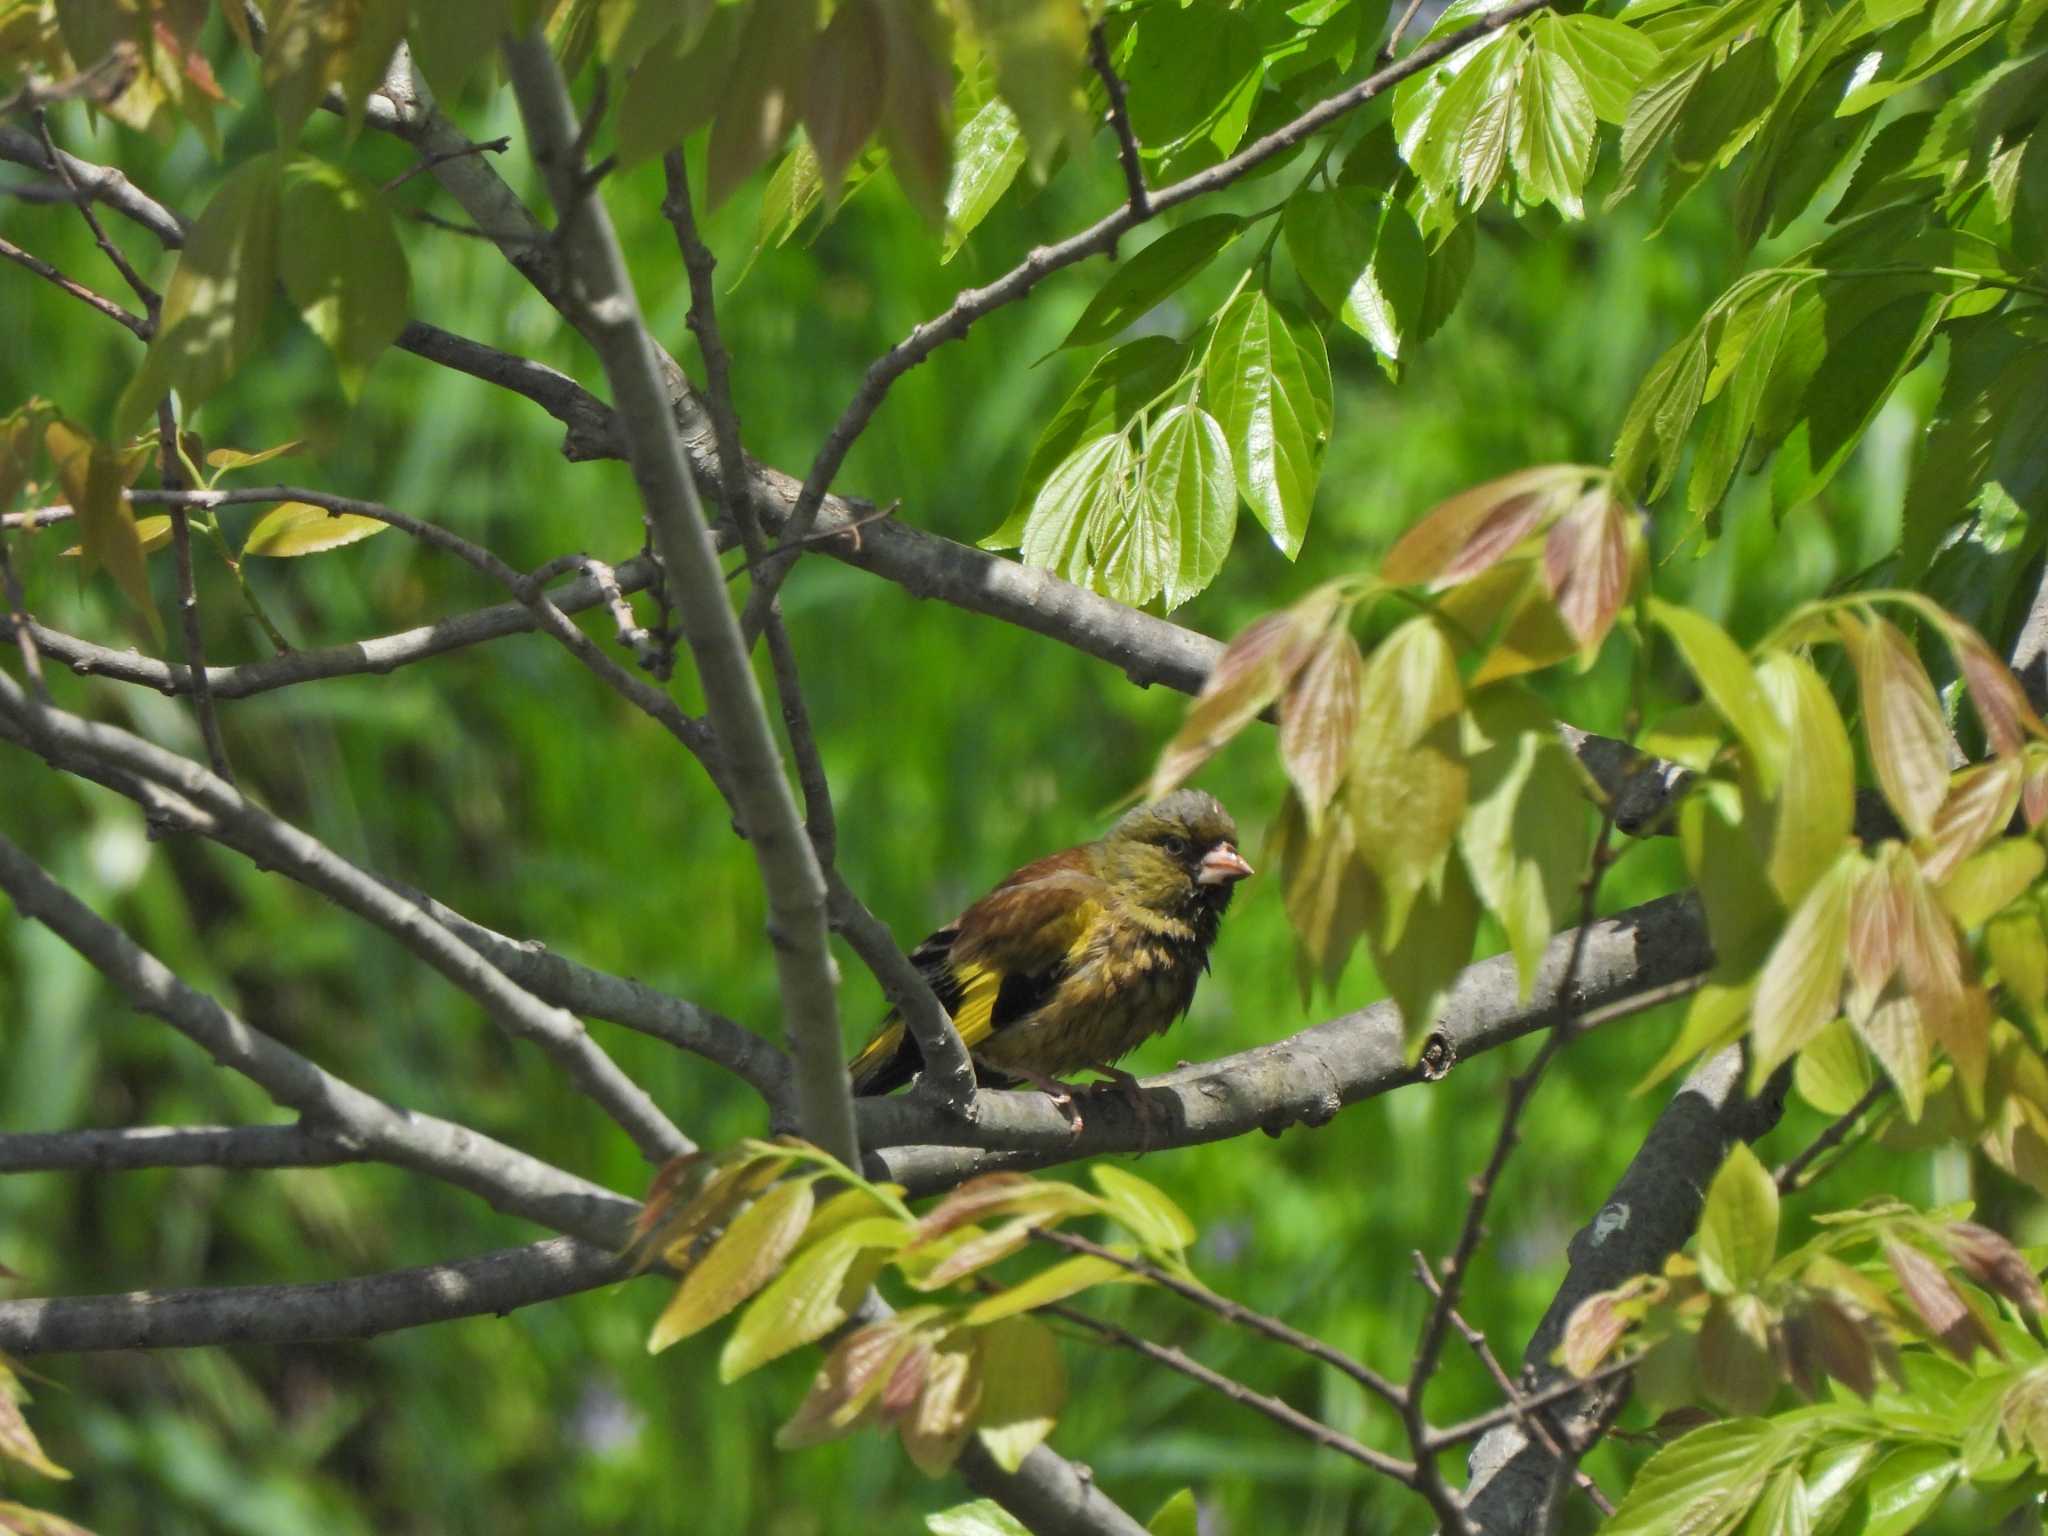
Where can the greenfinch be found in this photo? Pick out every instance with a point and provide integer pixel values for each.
(1078, 958)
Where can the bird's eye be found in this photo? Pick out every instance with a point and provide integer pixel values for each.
(1177, 846)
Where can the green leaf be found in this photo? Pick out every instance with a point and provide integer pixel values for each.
(1800, 990)
(1525, 838)
(743, 1260)
(1067, 1278)
(814, 1295)
(1056, 535)
(1184, 61)
(1040, 49)
(1444, 276)
(235, 458)
(1906, 1486)
(1432, 947)
(1653, 114)
(216, 300)
(1361, 255)
(91, 477)
(451, 38)
(1187, 489)
(675, 90)
(1747, 352)
(1652, 437)
(1178, 1516)
(1144, 1210)
(762, 88)
(987, 154)
(1408, 784)
(1817, 796)
(1137, 286)
(1739, 1225)
(1122, 381)
(983, 1517)
(1550, 133)
(1453, 122)
(1024, 1387)
(1725, 677)
(1833, 1072)
(1268, 383)
(1702, 1483)
(299, 528)
(1609, 59)
(339, 258)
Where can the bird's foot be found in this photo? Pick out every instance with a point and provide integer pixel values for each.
(1125, 1086)
(1061, 1094)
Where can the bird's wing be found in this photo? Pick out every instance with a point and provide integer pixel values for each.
(1008, 950)
(999, 960)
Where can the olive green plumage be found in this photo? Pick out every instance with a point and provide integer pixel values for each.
(1077, 959)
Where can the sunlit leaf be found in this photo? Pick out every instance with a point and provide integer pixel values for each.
(1268, 383)
(339, 259)
(1739, 1225)
(1817, 797)
(1464, 535)
(1319, 720)
(987, 154)
(1800, 988)
(812, 1296)
(743, 1260)
(1039, 48)
(1186, 489)
(1024, 1387)
(299, 528)
(1138, 284)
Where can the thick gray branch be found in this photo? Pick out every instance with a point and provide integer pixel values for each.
(1517, 1486)
(298, 1314)
(1305, 1079)
(173, 1146)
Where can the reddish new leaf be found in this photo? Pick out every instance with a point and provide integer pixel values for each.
(1319, 720)
(1457, 532)
(1590, 563)
(1910, 746)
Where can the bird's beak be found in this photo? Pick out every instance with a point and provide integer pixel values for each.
(1221, 865)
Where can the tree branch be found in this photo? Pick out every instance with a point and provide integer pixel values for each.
(760, 792)
(137, 325)
(1630, 960)
(302, 1314)
(276, 844)
(1517, 1486)
(509, 1180)
(173, 1146)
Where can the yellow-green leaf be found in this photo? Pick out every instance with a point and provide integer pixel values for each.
(1800, 989)
(1057, 1282)
(1817, 796)
(814, 1295)
(91, 477)
(341, 264)
(1023, 1387)
(739, 1263)
(1726, 678)
(1984, 884)
(1144, 1210)
(299, 528)
(1739, 1226)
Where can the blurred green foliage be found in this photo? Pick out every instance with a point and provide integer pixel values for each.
(505, 781)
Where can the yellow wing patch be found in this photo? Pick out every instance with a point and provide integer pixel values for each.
(975, 1017)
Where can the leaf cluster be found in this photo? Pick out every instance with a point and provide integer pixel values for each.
(752, 1229)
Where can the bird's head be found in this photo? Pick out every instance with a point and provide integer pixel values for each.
(1176, 854)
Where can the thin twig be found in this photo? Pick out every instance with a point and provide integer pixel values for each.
(1234, 1312)
(1527, 1403)
(496, 146)
(137, 324)
(948, 1073)
(1531, 1420)
(1119, 114)
(172, 473)
(1393, 41)
(1099, 238)
(1281, 1413)
(1449, 1506)
(1787, 1176)
(22, 626)
(849, 531)
(152, 301)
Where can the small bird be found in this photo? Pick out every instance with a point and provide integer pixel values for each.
(1079, 958)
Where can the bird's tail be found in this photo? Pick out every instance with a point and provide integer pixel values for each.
(886, 1062)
